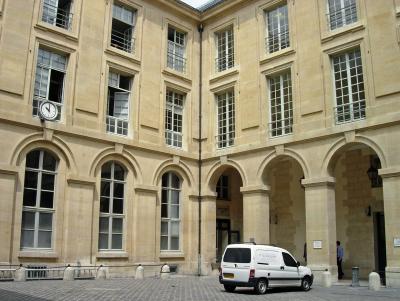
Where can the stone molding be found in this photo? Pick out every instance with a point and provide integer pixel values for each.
(73, 179)
(8, 169)
(315, 182)
(37, 254)
(390, 172)
(255, 189)
(146, 189)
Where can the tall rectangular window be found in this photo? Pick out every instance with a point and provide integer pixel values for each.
(225, 119)
(223, 188)
(51, 68)
(38, 200)
(176, 50)
(58, 13)
(170, 212)
(225, 50)
(122, 28)
(349, 86)
(174, 118)
(341, 13)
(281, 105)
(277, 29)
(119, 89)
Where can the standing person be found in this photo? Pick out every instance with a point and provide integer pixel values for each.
(340, 254)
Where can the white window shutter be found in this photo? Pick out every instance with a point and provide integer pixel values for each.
(121, 105)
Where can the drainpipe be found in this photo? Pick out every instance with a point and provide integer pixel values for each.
(200, 29)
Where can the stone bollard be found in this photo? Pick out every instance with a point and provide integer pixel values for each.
(20, 274)
(355, 279)
(165, 271)
(326, 279)
(374, 283)
(102, 273)
(69, 273)
(139, 272)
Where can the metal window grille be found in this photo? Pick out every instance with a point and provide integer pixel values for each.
(277, 29)
(117, 120)
(341, 13)
(123, 27)
(176, 50)
(281, 105)
(349, 87)
(170, 212)
(38, 200)
(49, 80)
(58, 13)
(111, 220)
(225, 50)
(225, 119)
(174, 119)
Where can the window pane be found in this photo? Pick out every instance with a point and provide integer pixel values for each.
(174, 211)
(174, 243)
(31, 178)
(30, 197)
(164, 210)
(32, 159)
(118, 206)
(103, 241)
(175, 183)
(164, 228)
(165, 180)
(28, 220)
(174, 229)
(44, 239)
(164, 196)
(164, 243)
(118, 190)
(105, 189)
(116, 241)
(175, 197)
(119, 172)
(47, 182)
(49, 162)
(117, 225)
(104, 205)
(45, 221)
(46, 199)
(103, 224)
(106, 171)
(27, 239)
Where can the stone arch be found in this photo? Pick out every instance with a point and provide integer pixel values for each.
(333, 153)
(286, 153)
(217, 169)
(125, 158)
(181, 169)
(55, 145)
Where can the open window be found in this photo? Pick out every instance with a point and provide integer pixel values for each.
(122, 28)
(176, 49)
(58, 13)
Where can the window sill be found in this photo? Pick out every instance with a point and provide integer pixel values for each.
(181, 75)
(123, 54)
(278, 54)
(37, 254)
(172, 254)
(330, 35)
(68, 34)
(112, 254)
(224, 74)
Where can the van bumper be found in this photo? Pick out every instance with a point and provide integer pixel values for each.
(251, 283)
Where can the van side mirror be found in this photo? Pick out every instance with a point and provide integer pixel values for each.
(298, 263)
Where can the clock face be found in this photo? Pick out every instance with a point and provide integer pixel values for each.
(48, 110)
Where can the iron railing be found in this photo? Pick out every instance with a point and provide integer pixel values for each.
(122, 41)
(7, 274)
(224, 62)
(44, 273)
(57, 16)
(277, 42)
(350, 112)
(224, 141)
(281, 127)
(85, 272)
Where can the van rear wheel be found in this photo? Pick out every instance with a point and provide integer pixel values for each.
(229, 288)
(306, 284)
(261, 287)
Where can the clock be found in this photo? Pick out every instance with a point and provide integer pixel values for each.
(48, 110)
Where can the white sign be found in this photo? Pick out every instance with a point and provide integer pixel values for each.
(317, 244)
(396, 242)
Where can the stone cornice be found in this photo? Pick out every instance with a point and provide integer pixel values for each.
(315, 182)
(390, 172)
(146, 189)
(255, 189)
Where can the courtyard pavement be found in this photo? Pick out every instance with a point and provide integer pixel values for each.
(174, 289)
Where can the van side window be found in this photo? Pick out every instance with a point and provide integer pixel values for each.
(237, 255)
(289, 261)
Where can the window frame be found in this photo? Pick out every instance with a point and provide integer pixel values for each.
(173, 121)
(228, 141)
(37, 209)
(280, 35)
(134, 27)
(228, 56)
(221, 188)
(70, 14)
(172, 56)
(354, 6)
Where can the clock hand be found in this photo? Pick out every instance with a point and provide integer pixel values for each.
(48, 108)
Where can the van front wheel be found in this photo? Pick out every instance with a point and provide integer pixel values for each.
(306, 284)
(229, 288)
(261, 287)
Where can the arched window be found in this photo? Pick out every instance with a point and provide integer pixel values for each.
(38, 200)
(111, 222)
(170, 212)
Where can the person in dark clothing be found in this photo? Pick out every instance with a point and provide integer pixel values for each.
(340, 254)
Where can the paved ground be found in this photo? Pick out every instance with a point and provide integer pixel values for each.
(174, 289)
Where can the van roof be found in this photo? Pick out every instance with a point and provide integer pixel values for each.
(244, 245)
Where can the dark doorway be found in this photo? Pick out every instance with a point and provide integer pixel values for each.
(380, 244)
(223, 236)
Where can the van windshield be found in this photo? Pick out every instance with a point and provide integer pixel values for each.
(237, 255)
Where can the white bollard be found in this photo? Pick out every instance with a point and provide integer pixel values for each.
(139, 272)
(69, 273)
(374, 281)
(102, 273)
(20, 274)
(326, 279)
(165, 271)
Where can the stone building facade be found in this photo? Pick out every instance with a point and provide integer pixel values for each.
(181, 130)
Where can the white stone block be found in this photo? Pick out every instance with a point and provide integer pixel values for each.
(374, 282)
(326, 279)
(20, 274)
(165, 271)
(69, 274)
(102, 273)
(139, 272)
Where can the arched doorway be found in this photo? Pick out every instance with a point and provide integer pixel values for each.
(360, 225)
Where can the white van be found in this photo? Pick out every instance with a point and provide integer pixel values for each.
(261, 267)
